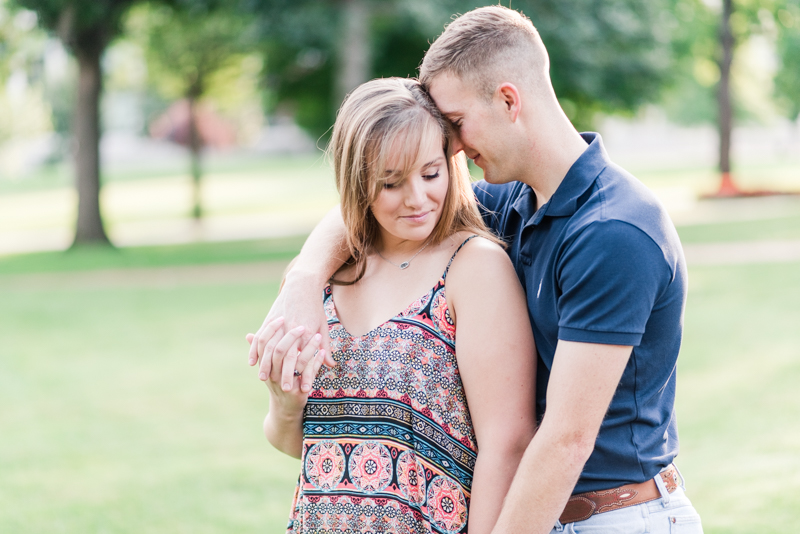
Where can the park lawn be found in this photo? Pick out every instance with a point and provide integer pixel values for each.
(738, 403)
(778, 228)
(89, 257)
(131, 409)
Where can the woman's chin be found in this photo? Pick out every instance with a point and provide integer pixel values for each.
(419, 234)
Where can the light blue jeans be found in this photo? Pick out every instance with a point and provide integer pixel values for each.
(671, 514)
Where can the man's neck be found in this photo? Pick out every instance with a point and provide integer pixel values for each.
(555, 147)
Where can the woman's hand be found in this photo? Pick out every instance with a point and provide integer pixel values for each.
(288, 391)
(299, 303)
(284, 361)
(289, 373)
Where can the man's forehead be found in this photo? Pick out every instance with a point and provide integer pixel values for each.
(449, 93)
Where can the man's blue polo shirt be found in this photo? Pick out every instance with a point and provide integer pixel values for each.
(601, 263)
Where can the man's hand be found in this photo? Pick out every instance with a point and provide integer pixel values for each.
(299, 302)
(280, 376)
(295, 318)
(582, 383)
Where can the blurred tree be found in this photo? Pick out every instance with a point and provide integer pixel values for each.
(317, 51)
(85, 27)
(607, 56)
(725, 111)
(185, 49)
(739, 21)
(710, 79)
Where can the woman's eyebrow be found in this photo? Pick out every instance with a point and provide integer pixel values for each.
(433, 162)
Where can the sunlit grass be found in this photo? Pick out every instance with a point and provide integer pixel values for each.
(738, 403)
(133, 410)
(780, 228)
(89, 257)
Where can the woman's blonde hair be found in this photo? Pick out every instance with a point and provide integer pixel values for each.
(383, 122)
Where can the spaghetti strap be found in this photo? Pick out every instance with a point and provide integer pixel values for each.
(444, 276)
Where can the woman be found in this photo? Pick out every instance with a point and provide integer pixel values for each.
(422, 422)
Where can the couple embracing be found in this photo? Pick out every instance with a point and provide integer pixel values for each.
(528, 384)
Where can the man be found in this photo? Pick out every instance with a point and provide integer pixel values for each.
(605, 280)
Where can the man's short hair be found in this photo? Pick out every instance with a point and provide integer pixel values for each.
(485, 47)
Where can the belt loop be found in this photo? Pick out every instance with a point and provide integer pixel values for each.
(680, 476)
(662, 489)
(558, 527)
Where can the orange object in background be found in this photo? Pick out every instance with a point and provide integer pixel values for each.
(173, 125)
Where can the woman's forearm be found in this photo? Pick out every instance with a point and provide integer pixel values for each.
(285, 432)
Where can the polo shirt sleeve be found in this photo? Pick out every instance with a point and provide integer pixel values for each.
(610, 277)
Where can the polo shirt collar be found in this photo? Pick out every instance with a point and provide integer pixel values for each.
(578, 179)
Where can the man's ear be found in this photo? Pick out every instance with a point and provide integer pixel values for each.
(510, 98)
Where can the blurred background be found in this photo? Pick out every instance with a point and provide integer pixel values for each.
(161, 162)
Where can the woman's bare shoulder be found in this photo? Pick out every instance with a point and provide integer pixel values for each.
(480, 262)
(477, 250)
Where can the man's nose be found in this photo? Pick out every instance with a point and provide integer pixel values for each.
(458, 145)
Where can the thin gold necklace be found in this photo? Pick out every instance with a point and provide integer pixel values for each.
(406, 263)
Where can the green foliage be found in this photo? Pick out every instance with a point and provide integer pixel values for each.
(80, 24)
(691, 99)
(609, 56)
(22, 45)
(787, 81)
(184, 49)
(606, 56)
(299, 43)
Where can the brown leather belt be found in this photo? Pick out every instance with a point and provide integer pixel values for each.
(582, 506)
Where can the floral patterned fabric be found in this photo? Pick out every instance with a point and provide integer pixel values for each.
(388, 444)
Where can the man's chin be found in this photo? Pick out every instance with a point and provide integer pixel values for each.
(492, 177)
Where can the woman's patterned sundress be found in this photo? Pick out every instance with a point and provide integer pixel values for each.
(388, 444)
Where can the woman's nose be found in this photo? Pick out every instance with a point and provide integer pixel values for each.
(416, 192)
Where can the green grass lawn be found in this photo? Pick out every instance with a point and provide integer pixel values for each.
(739, 404)
(88, 257)
(128, 410)
(133, 410)
(778, 228)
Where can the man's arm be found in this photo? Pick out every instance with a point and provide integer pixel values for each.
(582, 383)
(300, 302)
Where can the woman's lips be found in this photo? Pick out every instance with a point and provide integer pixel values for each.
(416, 218)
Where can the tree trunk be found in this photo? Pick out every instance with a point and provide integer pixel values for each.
(354, 47)
(195, 150)
(89, 228)
(727, 187)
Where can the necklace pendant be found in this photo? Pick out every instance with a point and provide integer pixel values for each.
(403, 265)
